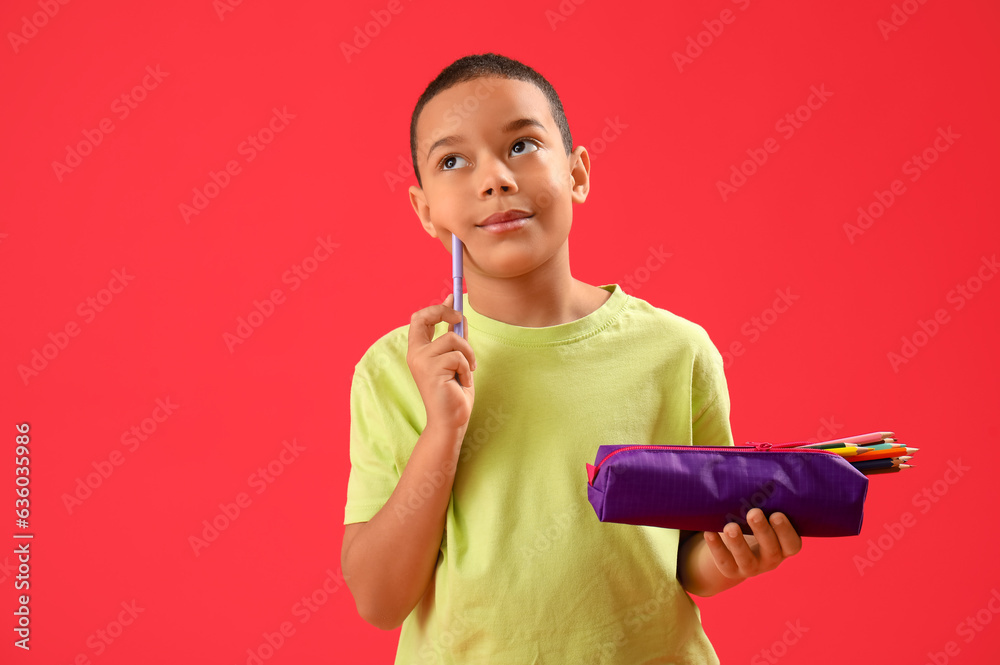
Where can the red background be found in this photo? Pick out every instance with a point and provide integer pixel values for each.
(324, 175)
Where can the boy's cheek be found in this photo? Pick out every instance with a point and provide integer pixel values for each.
(550, 194)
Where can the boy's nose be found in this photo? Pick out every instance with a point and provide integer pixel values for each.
(496, 177)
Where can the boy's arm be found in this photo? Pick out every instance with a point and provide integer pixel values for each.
(708, 563)
(388, 562)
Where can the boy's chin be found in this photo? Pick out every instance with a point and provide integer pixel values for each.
(512, 265)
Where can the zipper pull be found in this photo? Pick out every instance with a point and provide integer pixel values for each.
(759, 445)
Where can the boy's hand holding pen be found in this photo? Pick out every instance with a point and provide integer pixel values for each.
(442, 368)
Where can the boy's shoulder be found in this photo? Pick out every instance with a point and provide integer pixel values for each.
(664, 323)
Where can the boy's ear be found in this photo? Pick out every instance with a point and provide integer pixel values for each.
(419, 203)
(579, 174)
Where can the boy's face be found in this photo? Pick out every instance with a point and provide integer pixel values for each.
(476, 159)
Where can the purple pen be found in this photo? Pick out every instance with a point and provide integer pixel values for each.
(456, 278)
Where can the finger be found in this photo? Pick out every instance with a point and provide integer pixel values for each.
(770, 549)
(729, 555)
(465, 337)
(445, 343)
(449, 301)
(745, 560)
(455, 362)
(423, 321)
(723, 557)
(791, 542)
(465, 373)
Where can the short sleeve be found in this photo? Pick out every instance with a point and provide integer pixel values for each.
(709, 398)
(374, 471)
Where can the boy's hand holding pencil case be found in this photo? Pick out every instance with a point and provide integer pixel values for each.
(703, 488)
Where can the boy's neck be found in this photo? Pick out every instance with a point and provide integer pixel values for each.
(535, 300)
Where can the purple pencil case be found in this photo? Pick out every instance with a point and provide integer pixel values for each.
(703, 488)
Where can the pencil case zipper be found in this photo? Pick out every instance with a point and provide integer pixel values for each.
(756, 447)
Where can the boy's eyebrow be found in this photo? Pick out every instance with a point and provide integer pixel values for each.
(511, 126)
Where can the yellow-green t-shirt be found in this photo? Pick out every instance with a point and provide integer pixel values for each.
(527, 575)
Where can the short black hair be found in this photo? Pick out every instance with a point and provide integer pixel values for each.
(472, 67)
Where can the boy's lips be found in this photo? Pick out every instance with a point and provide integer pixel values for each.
(505, 221)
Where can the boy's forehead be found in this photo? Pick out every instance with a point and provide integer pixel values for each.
(480, 104)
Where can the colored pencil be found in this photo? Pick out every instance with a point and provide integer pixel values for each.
(872, 437)
(877, 464)
(896, 469)
(882, 446)
(846, 451)
(881, 454)
(862, 439)
(828, 446)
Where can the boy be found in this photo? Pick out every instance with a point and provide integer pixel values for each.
(467, 519)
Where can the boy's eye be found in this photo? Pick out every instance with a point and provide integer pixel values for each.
(527, 143)
(450, 159)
